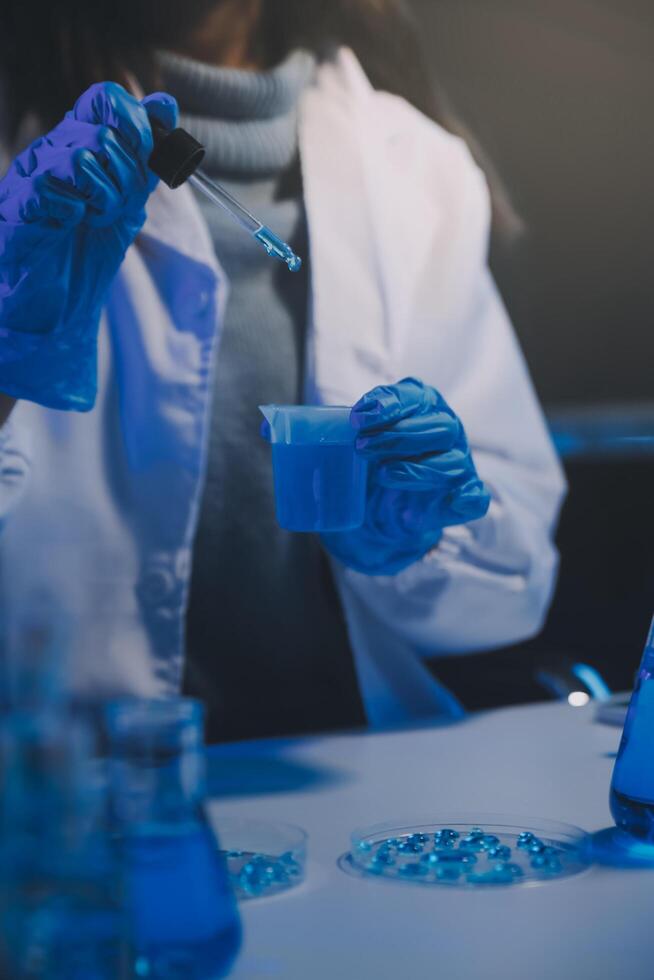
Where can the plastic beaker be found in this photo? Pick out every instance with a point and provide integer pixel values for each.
(320, 479)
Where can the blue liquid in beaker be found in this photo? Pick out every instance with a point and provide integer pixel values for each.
(319, 488)
(184, 915)
(320, 479)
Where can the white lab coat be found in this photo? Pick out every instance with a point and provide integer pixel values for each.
(101, 508)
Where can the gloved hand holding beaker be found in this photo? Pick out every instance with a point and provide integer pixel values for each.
(70, 206)
(421, 478)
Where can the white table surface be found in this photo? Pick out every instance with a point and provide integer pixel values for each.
(549, 761)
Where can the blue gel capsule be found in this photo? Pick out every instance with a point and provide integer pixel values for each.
(482, 878)
(450, 872)
(364, 845)
(526, 839)
(501, 876)
(467, 859)
(419, 838)
(499, 852)
(513, 869)
(471, 843)
(250, 879)
(544, 863)
(489, 840)
(536, 847)
(431, 860)
(384, 858)
(392, 842)
(413, 870)
(253, 890)
(446, 834)
(409, 846)
(497, 876)
(554, 866)
(451, 858)
(501, 868)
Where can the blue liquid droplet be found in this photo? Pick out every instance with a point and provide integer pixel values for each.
(278, 249)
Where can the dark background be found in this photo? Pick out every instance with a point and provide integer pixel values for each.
(559, 92)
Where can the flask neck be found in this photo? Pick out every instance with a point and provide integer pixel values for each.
(157, 763)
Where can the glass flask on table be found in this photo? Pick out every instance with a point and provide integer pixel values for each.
(184, 918)
(632, 787)
(62, 914)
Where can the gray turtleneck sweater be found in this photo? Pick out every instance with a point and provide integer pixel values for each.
(267, 646)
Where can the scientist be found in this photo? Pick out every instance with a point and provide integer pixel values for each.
(147, 512)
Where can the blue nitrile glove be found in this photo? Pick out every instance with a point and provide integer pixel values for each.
(70, 205)
(421, 478)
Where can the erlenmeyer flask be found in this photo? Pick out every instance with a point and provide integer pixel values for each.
(184, 918)
(632, 787)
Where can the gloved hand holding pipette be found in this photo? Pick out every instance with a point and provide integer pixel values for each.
(70, 206)
(422, 478)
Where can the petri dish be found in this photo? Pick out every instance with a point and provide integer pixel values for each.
(262, 858)
(459, 850)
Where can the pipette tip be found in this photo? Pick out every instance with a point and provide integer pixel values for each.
(278, 249)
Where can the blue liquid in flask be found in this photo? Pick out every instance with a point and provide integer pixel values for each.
(319, 487)
(632, 787)
(184, 914)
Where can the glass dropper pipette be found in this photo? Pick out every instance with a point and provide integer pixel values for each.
(273, 245)
(176, 158)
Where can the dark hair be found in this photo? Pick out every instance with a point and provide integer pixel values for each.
(51, 50)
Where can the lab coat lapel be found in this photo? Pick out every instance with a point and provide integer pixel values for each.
(394, 259)
(174, 220)
(370, 257)
(165, 312)
(350, 333)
